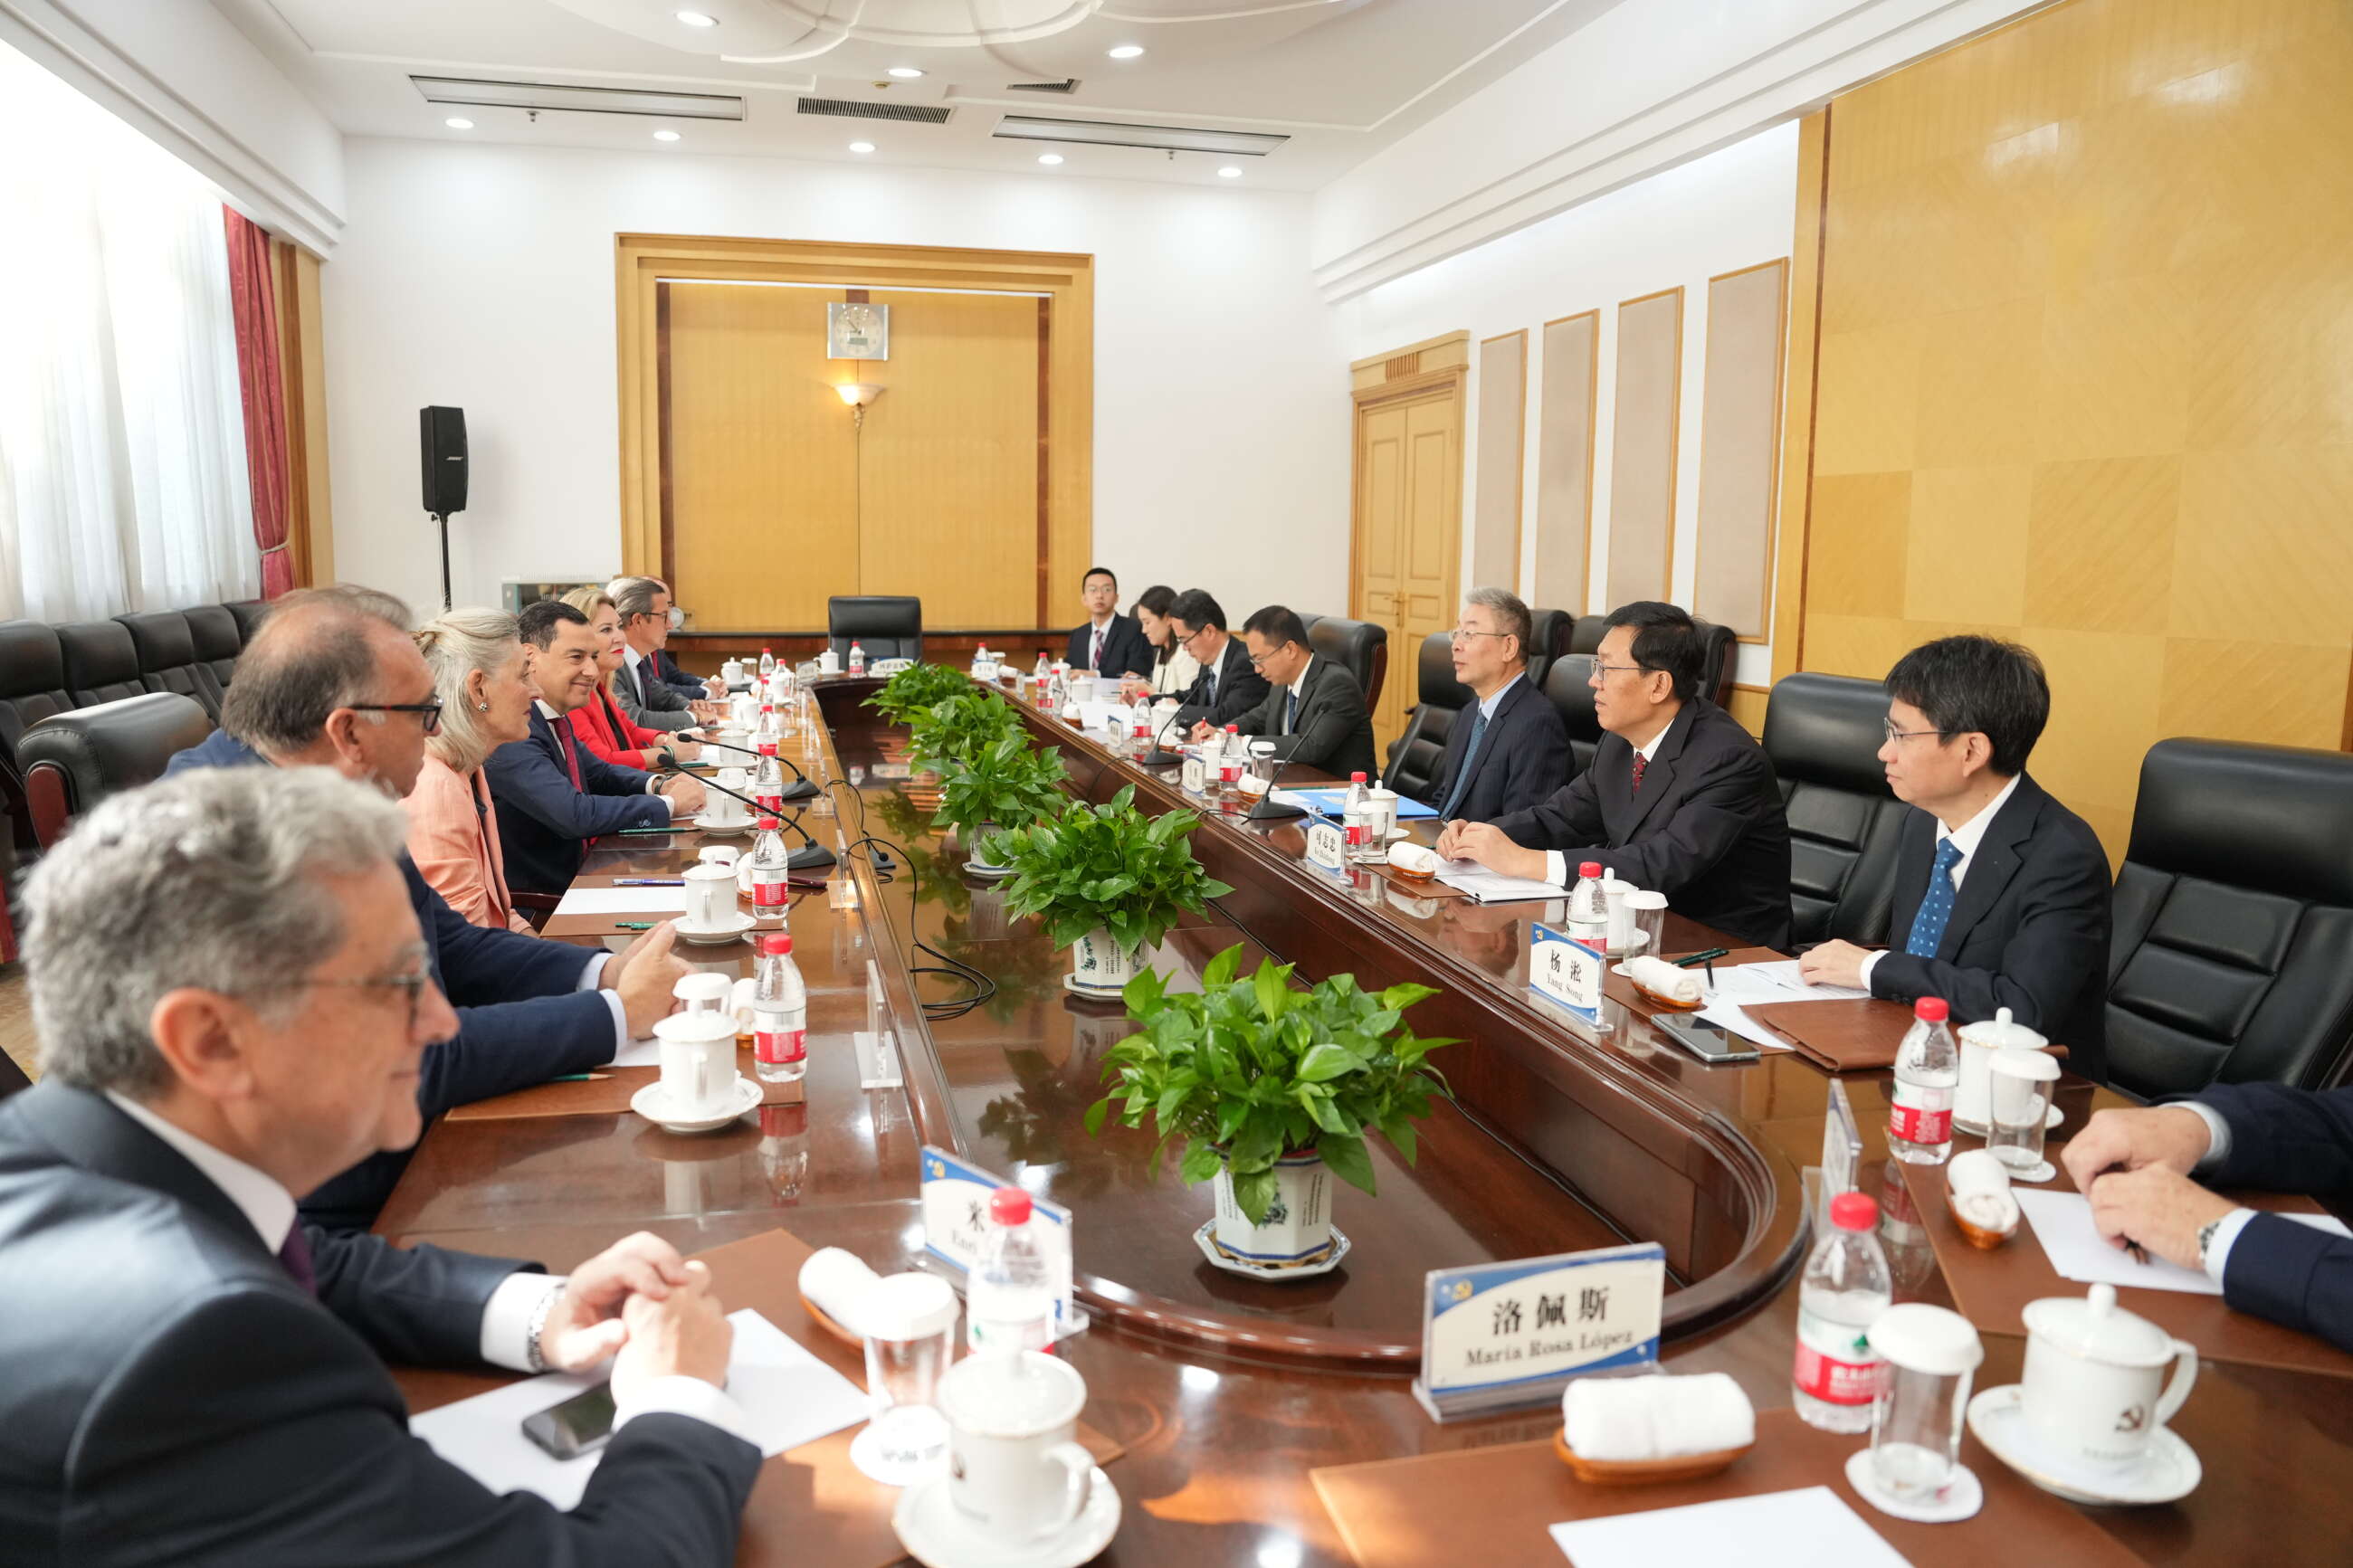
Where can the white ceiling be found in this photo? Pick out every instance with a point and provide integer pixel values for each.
(1341, 78)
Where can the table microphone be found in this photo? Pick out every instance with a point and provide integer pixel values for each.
(1268, 808)
(799, 789)
(806, 860)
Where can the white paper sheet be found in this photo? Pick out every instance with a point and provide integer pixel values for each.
(1730, 1016)
(645, 1053)
(1783, 973)
(623, 901)
(2062, 1223)
(1495, 888)
(1802, 1529)
(789, 1397)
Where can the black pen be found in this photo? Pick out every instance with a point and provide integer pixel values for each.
(1709, 957)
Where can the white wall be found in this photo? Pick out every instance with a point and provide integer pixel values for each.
(482, 277)
(1734, 208)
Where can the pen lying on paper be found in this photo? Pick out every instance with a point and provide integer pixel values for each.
(649, 882)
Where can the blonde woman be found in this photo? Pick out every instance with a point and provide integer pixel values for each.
(599, 724)
(486, 696)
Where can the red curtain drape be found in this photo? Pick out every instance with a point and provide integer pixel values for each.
(253, 295)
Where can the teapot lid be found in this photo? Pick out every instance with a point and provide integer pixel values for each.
(2096, 1327)
(710, 989)
(1998, 1033)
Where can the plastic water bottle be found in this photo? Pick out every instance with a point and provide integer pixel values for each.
(779, 1013)
(1040, 673)
(1927, 1078)
(856, 657)
(770, 732)
(1845, 1288)
(1009, 1300)
(1231, 759)
(1355, 819)
(767, 663)
(1139, 720)
(769, 779)
(771, 871)
(1588, 908)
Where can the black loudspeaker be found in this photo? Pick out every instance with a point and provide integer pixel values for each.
(441, 436)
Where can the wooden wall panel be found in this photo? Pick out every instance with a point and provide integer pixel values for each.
(1572, 361)
(1503, 454)
(1740, 431)
(2086, 285)
(1642, 447)
(302, 373)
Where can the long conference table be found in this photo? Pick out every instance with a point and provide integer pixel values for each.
(1225, 1392)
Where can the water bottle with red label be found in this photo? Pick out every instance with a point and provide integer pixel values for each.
(1846, 1287)
(768, 781)
(771, 871)
(779, 1013)
(1928, 1078)
(1231, 759)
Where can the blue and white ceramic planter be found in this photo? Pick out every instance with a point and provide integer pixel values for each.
(1297, 1233)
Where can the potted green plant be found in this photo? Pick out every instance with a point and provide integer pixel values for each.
(955, 727)
(1272, 1090)
(1005, 784)
(1108, 881)
(916, 687)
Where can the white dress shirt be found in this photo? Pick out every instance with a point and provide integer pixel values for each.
(1556, 862)
(1097, 633)
(507, 1317)
(1965, 839)
(2218, 1149)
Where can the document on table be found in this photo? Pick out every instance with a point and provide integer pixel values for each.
(2062, 1223)
(645, 1053)
(1784, 973)
(1485, 887)
(1800, 1528)
(789, 1397)
(1729, 1015)
(1330, 802)
(623, 901)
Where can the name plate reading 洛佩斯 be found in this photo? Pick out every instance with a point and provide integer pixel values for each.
(1499, 1336)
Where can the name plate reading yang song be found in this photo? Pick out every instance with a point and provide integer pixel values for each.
(1568, 970)
(1325, 847)
(1500, 1336)
(955, 1221)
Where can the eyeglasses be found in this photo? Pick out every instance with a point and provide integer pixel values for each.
(1602, 670)
(1258, 660)
(1894, 735)
(1187, 640)
(1464, 634)
(412, 982)
(429, 714)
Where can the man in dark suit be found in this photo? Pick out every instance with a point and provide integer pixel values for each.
(652, 703)
(2001, 893)
(1314, 713)
(553, 795)
(2137, 1168)
(332, 681)
(693, 688)
(1227, 687)
(190, 1375)
(1679, 799)
(1110, 643)
(1511, 750)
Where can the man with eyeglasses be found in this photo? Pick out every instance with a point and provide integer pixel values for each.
(2001, 893)
(235, 1002)
(332, 680)
(1679, 798)
(1315, 713)
(693, 688)
(651, 702)
(1228, 687)
(1511, 750)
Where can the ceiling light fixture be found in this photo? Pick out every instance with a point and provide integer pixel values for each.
(456, 123)
(1112, 133)
(1230, 172)
(697, 19)
(861, 146)
(1050, 158)
(1125, 51)
(905, 73)
(665, 135)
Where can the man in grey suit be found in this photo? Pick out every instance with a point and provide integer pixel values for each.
(651, 702)
(233, 997)
(1315, 711)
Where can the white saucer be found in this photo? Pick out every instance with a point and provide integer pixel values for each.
(728, 827)
(991, 872)
(1204, 1239)
(938, 1536)
(654, 1106)
(729, 929)
(1960, 1499)
(2168, 1469)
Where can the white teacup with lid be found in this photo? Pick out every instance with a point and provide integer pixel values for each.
(2094, 1389)
(1972, 1105)
(1015, 1467)
(698, 1049)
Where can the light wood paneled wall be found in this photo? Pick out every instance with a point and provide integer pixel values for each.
(1572, 366)
(1502, 452)
(2085, 314)
(1740, 427)
(1644, 435)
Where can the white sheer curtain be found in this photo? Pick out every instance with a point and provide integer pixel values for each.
(122, 480)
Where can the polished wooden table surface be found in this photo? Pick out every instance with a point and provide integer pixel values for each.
(1227, 1391)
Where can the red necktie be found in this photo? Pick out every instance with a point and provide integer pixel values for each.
(572, 757)
(1638, 773)
(1095, 656)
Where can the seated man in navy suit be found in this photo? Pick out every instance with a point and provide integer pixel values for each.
(2137, 1168)
(693, 688)
(332, 681)
(1511, 750)
(2001, 893)
(1228, 685)
(553, 795)
(1110, 643)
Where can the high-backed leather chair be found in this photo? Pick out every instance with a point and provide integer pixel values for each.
(887, 625)
(1585, 633)
(247, 614)
(1416, 756)
(1822, 734)
(214, 632)
(102, 662)
(76, 759)
(1719, 653)
(167, 658)
(32, 686)
(2231, 957)
(1549, 637)
(1361, 647)
(1566, 685)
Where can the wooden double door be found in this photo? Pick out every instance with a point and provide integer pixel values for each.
(1408, 525)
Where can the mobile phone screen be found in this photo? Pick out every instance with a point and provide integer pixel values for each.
(1710, 1042)
(579, 1425)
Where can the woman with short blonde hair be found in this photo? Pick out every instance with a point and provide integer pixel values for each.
(480, 674)
(598, 723)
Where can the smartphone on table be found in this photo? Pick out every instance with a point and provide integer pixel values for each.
(1709, 1042)
(578, 1425)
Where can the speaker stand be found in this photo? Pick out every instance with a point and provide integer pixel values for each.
(442, 519)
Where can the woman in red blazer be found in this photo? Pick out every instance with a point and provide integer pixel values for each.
(599, 724)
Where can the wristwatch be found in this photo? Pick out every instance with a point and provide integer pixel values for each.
(2206, 1238)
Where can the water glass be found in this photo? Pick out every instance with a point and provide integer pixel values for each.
(2018, 1088)
(909, 1321)
(1931, 1358)
(1649, 911)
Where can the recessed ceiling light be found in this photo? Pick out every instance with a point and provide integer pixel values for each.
(1124, 51)
(905, 73)
(1050, 157)
(665, 135)
(1230, 172)
(697, 19)
(861, 146)
(455, 123)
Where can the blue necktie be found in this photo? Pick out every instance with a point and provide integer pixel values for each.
(1291, 715)
(1935, 904)
(1462, 773)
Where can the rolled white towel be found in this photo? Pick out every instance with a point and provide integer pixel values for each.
(1655, 1417)
(1660, 978)
(836, 1281)
(1417, 858)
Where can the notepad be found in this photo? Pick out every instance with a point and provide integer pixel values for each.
(1783, 974)
(1484, 887)
(1801, 1529)
(2071, 1239)
(623, 901)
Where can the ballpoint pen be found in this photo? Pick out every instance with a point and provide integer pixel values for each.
(1708, 958)
(649, 882)
(633, 925)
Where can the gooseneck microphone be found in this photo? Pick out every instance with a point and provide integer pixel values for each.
(1268, 808)
(799, 789)
(807, 858)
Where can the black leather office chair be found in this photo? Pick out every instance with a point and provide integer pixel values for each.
(247, 614)
(2232, 958)
(1822, 734)
(1416, 756)
(32, 686)
(167, 658)
(887, 625)
(1566, 685)
(1362, 647)
(1548, 638)
(102, 662)
(1585, 633)
(1719, 653)
(217, 638)
(74, 760)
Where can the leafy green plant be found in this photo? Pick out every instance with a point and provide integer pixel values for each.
(1007, 782)
(917, 687)
(1246, 1071)
(953, 729)
(1107, 868)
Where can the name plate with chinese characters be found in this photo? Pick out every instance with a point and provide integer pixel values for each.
(1195, 777)
(1325, 847)
(1568, 970)
(955, 1218)
(1500, 1336)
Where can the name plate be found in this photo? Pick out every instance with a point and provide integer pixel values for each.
(1326, 847)
(1500, 1336)
(1568, 970)
(1195, 777)
(956, 1219)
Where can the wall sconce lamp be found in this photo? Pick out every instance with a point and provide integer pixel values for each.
(858, 394)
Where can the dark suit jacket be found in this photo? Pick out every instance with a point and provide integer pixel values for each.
(1522, 757)
(1241, 687)
(1126, 651)
(2297, 1141)
(1334, 732)
(168, 1395)
(522, 1019)
(1707, 829)
(666, 670)
(545, 823)
(655, 705)
(2029, 930)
